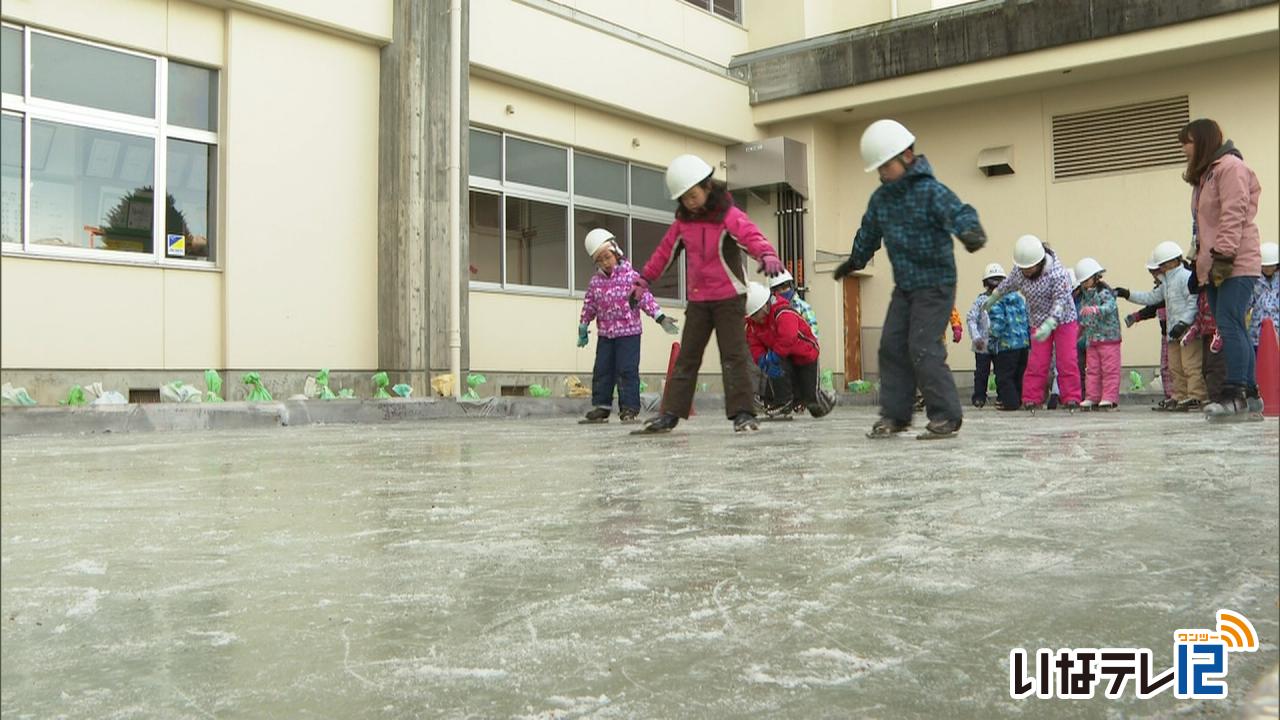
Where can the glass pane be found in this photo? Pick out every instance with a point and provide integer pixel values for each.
(486, 237)
(11, 61)
(725, 9)
(190, 207)
(649, 188)
(536, 236)
(11, 178)
(599, 178)
(644, 241)
(74, 73)
(91, 188)
(537, 164)
(485, 154)
(193, 96)
(584, 221)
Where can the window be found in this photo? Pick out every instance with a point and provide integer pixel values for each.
(97, 137)
(727, 9)
(532, 204)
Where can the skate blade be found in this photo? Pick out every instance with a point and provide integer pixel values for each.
(594, 422)
(777, 418)
(630, 421)
(647, 431)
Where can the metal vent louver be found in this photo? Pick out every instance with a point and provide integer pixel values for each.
(1119, 139)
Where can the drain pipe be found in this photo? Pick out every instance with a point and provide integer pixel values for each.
(455, 196)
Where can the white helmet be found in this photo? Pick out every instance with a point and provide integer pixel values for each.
(684, 172)
(1071, 275)
(780, 278)
(1087, 268)
(1270, 254)
(757, 297)
(1028, 251)
(1164, 252)
(994, 270)
(597, 239)
(882, 141)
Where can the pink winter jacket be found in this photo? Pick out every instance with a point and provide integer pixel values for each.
(715, 261)
(1228, 202)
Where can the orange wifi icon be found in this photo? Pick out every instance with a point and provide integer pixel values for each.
(1237, 632)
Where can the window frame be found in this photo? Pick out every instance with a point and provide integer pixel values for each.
(570, 201)
(708, 6)
(29, 108)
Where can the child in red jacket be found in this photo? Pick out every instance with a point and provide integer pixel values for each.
(785, 349)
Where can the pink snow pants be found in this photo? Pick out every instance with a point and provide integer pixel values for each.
(1061, 347)
(1102, 371)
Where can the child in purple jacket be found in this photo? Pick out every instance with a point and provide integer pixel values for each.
(608, 302)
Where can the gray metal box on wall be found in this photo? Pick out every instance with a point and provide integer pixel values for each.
(766, 163)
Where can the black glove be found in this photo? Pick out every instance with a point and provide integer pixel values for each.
(973, 239)
(1122, 293)
(1178, 330)
(846, 268)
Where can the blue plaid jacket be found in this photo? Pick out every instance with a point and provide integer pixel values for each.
(1010, 328)
(915, 217)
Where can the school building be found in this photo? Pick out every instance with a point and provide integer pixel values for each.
(313, 216)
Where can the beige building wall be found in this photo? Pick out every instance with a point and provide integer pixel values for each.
(296, 285)
(1116, 218)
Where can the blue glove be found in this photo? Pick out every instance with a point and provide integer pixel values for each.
(582, 335)
(771, 365)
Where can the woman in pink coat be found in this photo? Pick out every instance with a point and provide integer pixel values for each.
(1228, 255)
(715, 238)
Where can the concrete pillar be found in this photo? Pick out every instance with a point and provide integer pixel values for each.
(413, 219)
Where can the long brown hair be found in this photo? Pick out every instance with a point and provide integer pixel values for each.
(718, 202)
(1207, 137)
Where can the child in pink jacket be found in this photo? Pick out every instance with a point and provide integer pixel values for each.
(715, 238)
(608, 302)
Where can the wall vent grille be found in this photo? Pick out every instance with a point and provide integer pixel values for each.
(1119, 139)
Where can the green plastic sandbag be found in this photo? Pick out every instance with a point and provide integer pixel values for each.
(643, 386)
(346, 394)
(991, 383)
(859, 387)
(380, 383)
(828, 380)
(1135, 381)
(258, 393)
(213, 386)
(322, 385)
(474, 380)
(402, 390)
(539, 391)
(75, 396)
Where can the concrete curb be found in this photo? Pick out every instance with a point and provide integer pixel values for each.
(20, 421)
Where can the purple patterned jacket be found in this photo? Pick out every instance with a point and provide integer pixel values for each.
(606, 303)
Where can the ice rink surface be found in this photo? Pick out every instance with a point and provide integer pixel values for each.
(542, 569)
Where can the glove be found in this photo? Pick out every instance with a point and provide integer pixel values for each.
(1122, 293)
(1045, 330)
(1221, 270)
(1179, 328)
(1089, 311)
(991, 301)
(980, 346)
(1215, 345)
(582, 334)
(770, 265)
(638, 289)
(846, 268)
(669, 325)
(1130, 319)
(973, 239)
(771, 364)
(956, 333)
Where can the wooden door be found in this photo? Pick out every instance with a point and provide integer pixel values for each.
(852, 329)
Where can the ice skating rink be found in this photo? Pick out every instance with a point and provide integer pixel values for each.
(542, 569)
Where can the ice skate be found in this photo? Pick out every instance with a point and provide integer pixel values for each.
(886, 428)
(940, 430)
(596, 416)
(746, 422)
(628, 416)
(657, 426)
